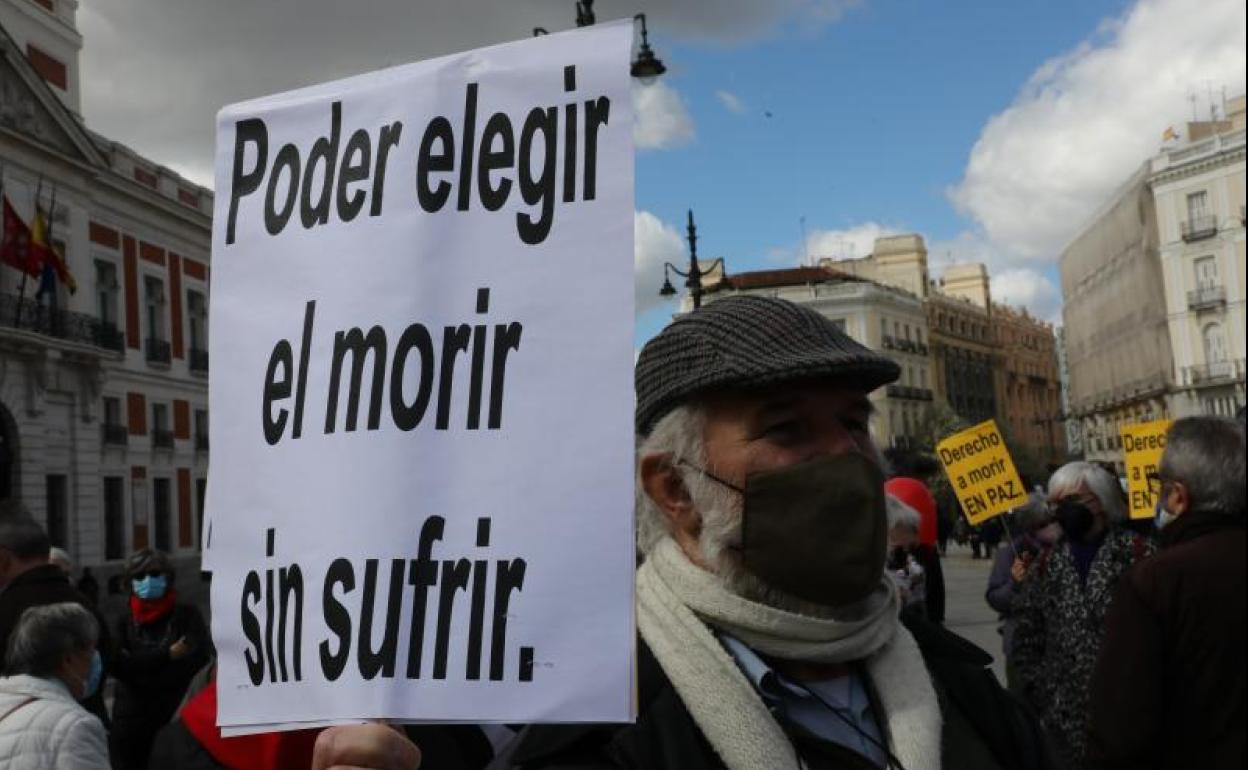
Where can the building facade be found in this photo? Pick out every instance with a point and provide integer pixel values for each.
(1198, 189)
(1028, 384)
(964, 358)
(881, 317)
(103, 389)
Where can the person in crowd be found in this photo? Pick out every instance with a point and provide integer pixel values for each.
(27, 579)
(1170, 687)
(1060, 610)
(53, 664)
(59, 557)
(1035, 531)
(915, 494)
(990, 536)
(769, 631)
(89, 587)
(161, 644)
(903, 568)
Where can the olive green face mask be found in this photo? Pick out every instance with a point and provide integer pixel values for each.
(816, 530)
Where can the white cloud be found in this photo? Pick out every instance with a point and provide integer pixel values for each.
(654, 242)
(155, 72)
(731, 101)
(1024, 287)
(660, 119)
(1087, 119)
(851, 242)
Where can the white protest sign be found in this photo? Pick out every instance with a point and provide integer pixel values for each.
(421, 399)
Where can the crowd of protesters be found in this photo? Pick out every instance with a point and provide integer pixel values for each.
(820, 646)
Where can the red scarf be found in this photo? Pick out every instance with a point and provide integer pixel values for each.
(263, 751)
(150, 610)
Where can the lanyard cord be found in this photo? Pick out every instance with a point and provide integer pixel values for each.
(892, 762)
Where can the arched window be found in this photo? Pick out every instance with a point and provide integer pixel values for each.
(1215, 344)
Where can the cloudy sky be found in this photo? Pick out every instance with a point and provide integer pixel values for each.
(994, 129)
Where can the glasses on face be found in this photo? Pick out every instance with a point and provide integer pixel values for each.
(146, 575)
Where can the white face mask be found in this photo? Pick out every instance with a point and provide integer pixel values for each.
(1163, 518)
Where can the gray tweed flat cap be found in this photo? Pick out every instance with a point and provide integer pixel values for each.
(744, 342)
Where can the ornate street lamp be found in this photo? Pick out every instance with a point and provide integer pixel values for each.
(646, 67)
(692, 276)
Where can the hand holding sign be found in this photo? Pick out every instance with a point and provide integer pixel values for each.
(1142, 447)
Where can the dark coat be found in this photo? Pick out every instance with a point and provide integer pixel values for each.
(984, 726)
(41, 586)
(150, 684)
(1170, 686)
(1057, 636)
(933, 582)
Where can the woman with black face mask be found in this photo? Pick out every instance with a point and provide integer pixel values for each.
(1061, 606)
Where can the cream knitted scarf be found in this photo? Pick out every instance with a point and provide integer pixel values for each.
(677, 601)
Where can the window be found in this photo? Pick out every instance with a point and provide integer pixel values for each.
(906, 328)
(106, 288)
(1197, 206)
(58, 510)
(1206, 272)
(155, 293)
(197, 312)
(883, 327)
(923, 377)
(112, 410)
(162, 514)
(1215, 344)
(114, 518)
(201, 429)
(160, 417)
(201, 487)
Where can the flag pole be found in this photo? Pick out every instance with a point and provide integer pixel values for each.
(47, 261)
(21, 296)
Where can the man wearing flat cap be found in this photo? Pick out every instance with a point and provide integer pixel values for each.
(770, 637)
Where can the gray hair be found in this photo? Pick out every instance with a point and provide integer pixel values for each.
(45, 635)
(900, 514)
(1206, 454)
(1066, 479)
(679, 435)
(1033, 514)
(60, 557)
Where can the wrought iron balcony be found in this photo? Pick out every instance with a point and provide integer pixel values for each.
(909, 392)
(158, 351)
(1206, 297)
(162, 439)
(114, 435)
(1218, 371)
(27, 314)
(198, 360)
(888, 342)
(1199, 228)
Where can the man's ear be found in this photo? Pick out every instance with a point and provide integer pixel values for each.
(1179, 501)
(666, 487)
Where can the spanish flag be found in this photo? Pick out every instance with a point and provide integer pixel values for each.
(40, 245)
(15, 247)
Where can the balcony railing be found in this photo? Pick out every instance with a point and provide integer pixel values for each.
(909, 392)
(1206, 297)
(201, 442)
(1217, 371)
(162, 439)
(1199, 228)
(28, 314)
(198, 360)
(158, 351)
(888, 343)
(114, 435)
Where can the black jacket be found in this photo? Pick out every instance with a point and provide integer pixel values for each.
(984, 726)
(1170, 685)
(150, 684)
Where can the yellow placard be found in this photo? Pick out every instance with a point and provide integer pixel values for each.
(1142, 445)
(983, 476)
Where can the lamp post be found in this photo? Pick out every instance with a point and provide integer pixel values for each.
(646, 67)
(692, 276)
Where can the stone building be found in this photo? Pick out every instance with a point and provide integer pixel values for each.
(964, 357)
(1028, 384)
(881, 317)
(1154, 291)
(1198, 187)
(103, 390)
